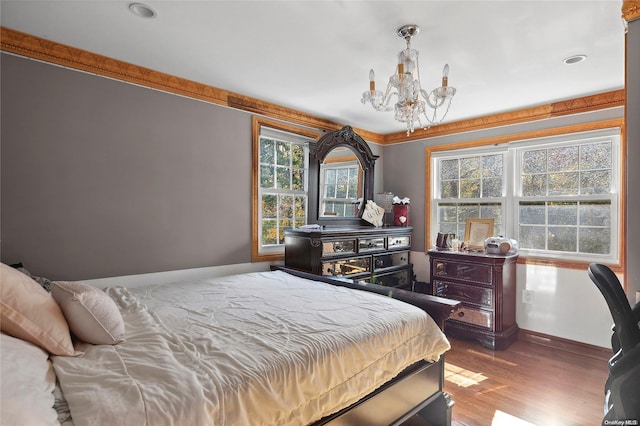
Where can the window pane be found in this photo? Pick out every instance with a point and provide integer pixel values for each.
(283, 151)
(595, 156)
(532, 213)
(532, 237)
(563, 213)
(563, 159)
(470, 168)
(534, 185)
(595, 213)
(269, 232)
(266, 177)
(534, 161)
(300, 208)
(492, 187)
(468, 211)
(341, 191)
(563, 238)
(449, 189)
(269, 206)
(449, 170)
(266, 151)
(492, 166)
(595, 240)
(284, 178)
(563, 183)
(595, 182)
(447, 213)
(297, 180)
(286, 207)
(287, 223)
(470, 188)
(297, 156)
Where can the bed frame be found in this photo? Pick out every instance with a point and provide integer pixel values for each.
(418, 390)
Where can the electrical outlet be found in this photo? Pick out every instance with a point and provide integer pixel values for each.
(527, 297)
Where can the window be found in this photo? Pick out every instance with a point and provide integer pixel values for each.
(339, 188)
(558, 196)
(281, 165)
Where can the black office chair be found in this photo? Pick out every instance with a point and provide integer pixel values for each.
(622, 389)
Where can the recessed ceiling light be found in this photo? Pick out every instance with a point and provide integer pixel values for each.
(575, 59)
(142, 10)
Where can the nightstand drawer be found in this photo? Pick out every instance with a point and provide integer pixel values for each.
(472, 272)
(474, 316)
(481, 296)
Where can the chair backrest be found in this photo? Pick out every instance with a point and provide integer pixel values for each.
(623, 318)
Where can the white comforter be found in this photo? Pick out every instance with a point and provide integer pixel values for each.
(255, 349)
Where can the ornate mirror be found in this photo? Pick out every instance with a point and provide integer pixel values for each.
(341, 173)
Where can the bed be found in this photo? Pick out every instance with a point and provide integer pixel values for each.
(263, 348)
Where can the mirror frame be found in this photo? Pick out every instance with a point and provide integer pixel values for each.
(345, 137)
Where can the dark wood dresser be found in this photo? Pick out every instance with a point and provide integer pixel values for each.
(375, 255)
(486, 286)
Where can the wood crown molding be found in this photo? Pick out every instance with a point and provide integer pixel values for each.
(29, 46)
(48, 51)
(605, 100)
(631, 10)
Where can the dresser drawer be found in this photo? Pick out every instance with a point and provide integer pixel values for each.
(473, 316)
(399, 241)
(476, 295)
(338, 247)
(351, 266)
(390, 260)
(370, 244)
(471, 272)
(399, 279)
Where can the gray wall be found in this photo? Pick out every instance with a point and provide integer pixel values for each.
(102, 178)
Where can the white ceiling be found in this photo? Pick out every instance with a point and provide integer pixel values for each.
(315, 56)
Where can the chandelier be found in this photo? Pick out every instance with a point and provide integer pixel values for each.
(413, 102)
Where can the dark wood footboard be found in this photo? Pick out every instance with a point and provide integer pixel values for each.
(438, 308)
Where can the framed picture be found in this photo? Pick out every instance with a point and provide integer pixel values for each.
(476, 231)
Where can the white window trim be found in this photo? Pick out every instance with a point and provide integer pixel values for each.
(287, 137)
(512, 184)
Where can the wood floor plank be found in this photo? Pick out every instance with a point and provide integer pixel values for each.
(527, 384)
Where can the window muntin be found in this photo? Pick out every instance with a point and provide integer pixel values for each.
(283, 170)
(280, 168)
(562, 199)
(568, 198)
(470, 185)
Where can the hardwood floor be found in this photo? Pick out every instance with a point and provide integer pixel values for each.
(527, 384)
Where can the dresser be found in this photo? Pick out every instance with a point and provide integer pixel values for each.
(376, 255)
(485, 284)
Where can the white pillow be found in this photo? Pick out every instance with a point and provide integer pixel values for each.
(27, 384)
(29, 313)
(92, 315)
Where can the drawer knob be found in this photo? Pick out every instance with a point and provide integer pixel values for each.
(461, 314)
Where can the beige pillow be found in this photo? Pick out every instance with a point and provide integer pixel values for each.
(92, 315)
(29, 313)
